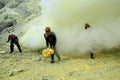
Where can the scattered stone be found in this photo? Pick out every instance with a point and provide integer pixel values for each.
(4, 73)
(38, 59)
(44, 78)
(17, 59)
(11, 73)
(3, 61)
(21, 70)
(71, 73)
(2, 52)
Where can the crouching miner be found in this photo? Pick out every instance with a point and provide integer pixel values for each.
(13, 40)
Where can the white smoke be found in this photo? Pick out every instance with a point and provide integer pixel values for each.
(33, 38)
(67, 18)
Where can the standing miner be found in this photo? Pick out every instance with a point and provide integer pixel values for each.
(87, 26)
(50, 38)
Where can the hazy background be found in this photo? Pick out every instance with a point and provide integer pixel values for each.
(67, 18)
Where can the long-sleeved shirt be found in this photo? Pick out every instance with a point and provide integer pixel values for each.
(50, 37)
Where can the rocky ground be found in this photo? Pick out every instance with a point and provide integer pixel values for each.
(31, 65)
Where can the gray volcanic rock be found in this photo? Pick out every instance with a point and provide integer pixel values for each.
(1, 5)
(13, 12)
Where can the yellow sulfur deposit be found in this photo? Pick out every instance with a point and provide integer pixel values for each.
(46, 52)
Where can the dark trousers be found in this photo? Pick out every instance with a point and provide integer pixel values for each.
(12, 46)
(56, 53)
(52, 45)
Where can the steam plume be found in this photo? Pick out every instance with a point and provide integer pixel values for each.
(67, 18)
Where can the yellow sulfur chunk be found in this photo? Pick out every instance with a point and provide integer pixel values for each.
(47, 52)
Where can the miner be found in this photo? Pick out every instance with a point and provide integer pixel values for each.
(13, 39)
(51, 40)
(87, 26)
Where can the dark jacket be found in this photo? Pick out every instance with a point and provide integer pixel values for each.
(50, 38)
(12, 38)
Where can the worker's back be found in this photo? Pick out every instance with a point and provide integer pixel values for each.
(13, 38)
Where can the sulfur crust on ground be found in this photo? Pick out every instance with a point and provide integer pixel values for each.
(32, 66)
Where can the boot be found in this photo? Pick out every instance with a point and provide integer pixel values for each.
(52, 58)
(52, 61)
(92, 56)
